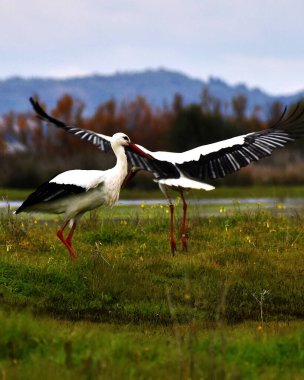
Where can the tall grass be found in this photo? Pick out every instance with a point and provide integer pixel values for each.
(125, 270)
(127, 309)
(32, 348)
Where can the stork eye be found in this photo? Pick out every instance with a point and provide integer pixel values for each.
(126, 138)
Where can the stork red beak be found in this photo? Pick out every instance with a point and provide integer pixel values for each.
(128, 178)
(140, 151)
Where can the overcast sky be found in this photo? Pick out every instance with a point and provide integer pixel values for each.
(260, 43)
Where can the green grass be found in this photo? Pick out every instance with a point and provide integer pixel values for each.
(51, 349)
(219, 192)
(127, 309)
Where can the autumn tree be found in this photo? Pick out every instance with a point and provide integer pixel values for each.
(209, 103)
(239, 106)
(192, 127)
(105, 119)
(178, 103)
(275, 111)
(70, 111)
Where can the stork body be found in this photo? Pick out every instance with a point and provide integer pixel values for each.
(74, 192)
(189, 169)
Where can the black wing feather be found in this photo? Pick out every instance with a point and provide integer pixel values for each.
(256, 146)
(160, 169)
(213, 165)
(84, 134)
(49, 191)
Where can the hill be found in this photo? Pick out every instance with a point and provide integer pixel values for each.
(158, 86)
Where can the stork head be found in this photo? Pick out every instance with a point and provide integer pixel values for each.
(122, 140)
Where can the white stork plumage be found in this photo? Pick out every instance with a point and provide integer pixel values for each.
(76, 191)
(187, 170)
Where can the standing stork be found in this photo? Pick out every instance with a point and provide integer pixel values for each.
(76, 191)
(187, 170)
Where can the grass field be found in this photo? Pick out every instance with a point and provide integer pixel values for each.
(127, 309)
(219, 192)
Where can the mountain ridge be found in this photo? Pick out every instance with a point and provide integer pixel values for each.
(158, 86)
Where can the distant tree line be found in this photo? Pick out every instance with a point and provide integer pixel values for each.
(31, 152)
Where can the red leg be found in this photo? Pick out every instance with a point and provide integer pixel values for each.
(71, 233)
(172, 241)
(184, 237)
(64, 241)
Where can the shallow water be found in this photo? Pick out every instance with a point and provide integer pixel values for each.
(285, 205)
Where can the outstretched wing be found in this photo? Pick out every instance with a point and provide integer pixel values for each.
(204, 162)
(159, 168)
(228, 156)
(103, 142)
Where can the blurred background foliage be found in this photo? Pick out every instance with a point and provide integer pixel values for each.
(31, 152)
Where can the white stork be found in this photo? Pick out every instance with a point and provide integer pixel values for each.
(186, 170)
(76, 191)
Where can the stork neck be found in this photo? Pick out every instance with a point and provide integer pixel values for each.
(121, 162)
